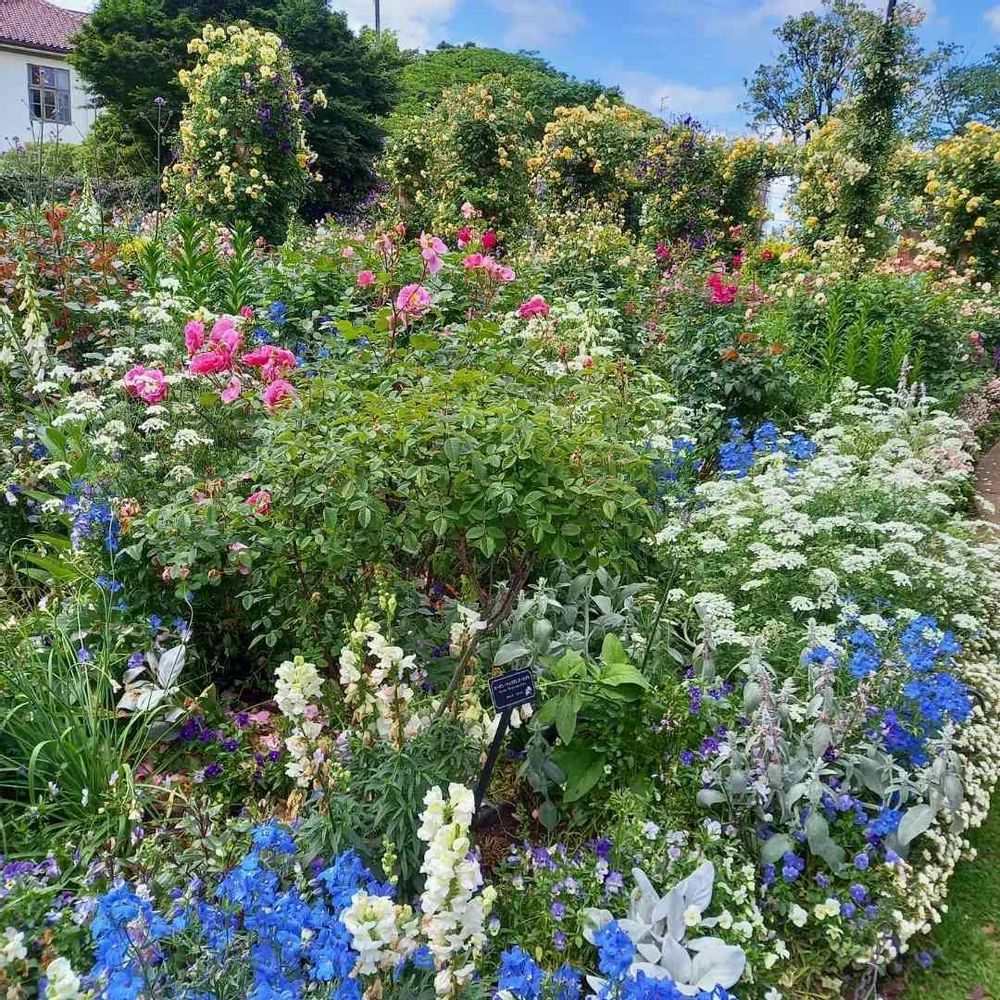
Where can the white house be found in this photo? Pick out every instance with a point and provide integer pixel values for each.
(39, 90)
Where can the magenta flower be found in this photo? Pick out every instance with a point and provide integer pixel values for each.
(210, 362)
(366, 278)
(194, 336)
(260, 502)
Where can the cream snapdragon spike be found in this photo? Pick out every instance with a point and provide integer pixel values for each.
(454, 911)
(298, 689)
(380, 683)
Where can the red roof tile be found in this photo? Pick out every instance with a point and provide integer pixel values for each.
(35, 24)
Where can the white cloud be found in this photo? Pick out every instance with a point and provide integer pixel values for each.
(672, 97)
(419, 23)
(75, 4)
(992, 17)
(536, 23)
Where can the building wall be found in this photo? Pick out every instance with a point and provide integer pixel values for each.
(15, 119)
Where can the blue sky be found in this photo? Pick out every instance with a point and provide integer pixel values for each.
(681, 56)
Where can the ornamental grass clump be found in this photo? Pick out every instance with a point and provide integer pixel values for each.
(243, 154)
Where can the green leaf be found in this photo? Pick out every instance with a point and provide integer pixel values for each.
(775, 847)
(548, 815)
(454, 449)
(916, 820)
(566, 711)
(623, 675)
(583, 767)
(612, 650)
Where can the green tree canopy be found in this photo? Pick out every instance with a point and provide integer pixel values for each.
(543, 88)
(130, 51)
(956, 93)
(814, 70)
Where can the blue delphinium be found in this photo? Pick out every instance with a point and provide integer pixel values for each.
(520, 974)
(615, 951)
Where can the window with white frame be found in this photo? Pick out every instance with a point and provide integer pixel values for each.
(49, 94)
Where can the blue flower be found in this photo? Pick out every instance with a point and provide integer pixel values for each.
(615, 951)
(564, 983)
(520, 974)
(278, 313)
(272, 837)
(885, 822)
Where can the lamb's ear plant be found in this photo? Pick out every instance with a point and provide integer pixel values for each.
(658, 926)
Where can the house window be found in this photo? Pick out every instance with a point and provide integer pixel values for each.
(49, 94)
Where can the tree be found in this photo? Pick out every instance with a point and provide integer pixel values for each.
(542, 87)
(814, 71)
(130, 52)
(955, 94)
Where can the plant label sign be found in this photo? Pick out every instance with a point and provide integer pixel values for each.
(513, 689)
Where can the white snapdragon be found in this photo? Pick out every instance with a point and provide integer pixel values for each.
(454, 911)
(298, 684)
(382, 932)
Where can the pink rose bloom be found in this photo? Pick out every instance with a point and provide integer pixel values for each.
(347, 253)
(210, 362)
(412, 300)
(232, 391)
(225, 335)
(400, 229)
(468, 211)
(662, 251)
(506, 274)
(535, 306)
(260, 716)
(272, 360)
(474, 260)
(247, 312)
(277, 392)
(587, 361)
(366, 278)
(259, 501)
(194, 336)
(432, 243)
(489, 240)
(464, 237)
(147, 384)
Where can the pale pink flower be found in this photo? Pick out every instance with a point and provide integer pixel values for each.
(232, 391)
(366, 278)
(468, 211)
(147, 384)
(535, 306)
(259, 501)
(347, 253)
(194, 336)
(277, 392)
(473, 260)
(412, 301)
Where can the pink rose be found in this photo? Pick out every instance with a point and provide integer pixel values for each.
(247, 312)
(194, 336)
(587, 361)
(210, 362)
(464, 237)
(412, 301)
(272, 360)
(147, 384)
(489, 240)
(232, 391)
(277, 392)
(260, 502)
(473, 260)
(535, 306)
(366, 278)
(347, 253)
(468, 210)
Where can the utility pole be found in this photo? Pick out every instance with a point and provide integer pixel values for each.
(378, 18)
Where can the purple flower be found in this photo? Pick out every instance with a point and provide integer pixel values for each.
(861, 861)
(558, 910)
(858, 892)
(687, 757)
(213, 770)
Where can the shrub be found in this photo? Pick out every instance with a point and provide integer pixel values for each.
(963, 197)
(587, 157)
(243, 152)
(470, 148)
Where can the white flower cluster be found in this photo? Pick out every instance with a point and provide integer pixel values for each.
(382, 932)
(62, 982)
(380, 683)
(297, 684)
(453, 910)
(11, 947)
(465, 629)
